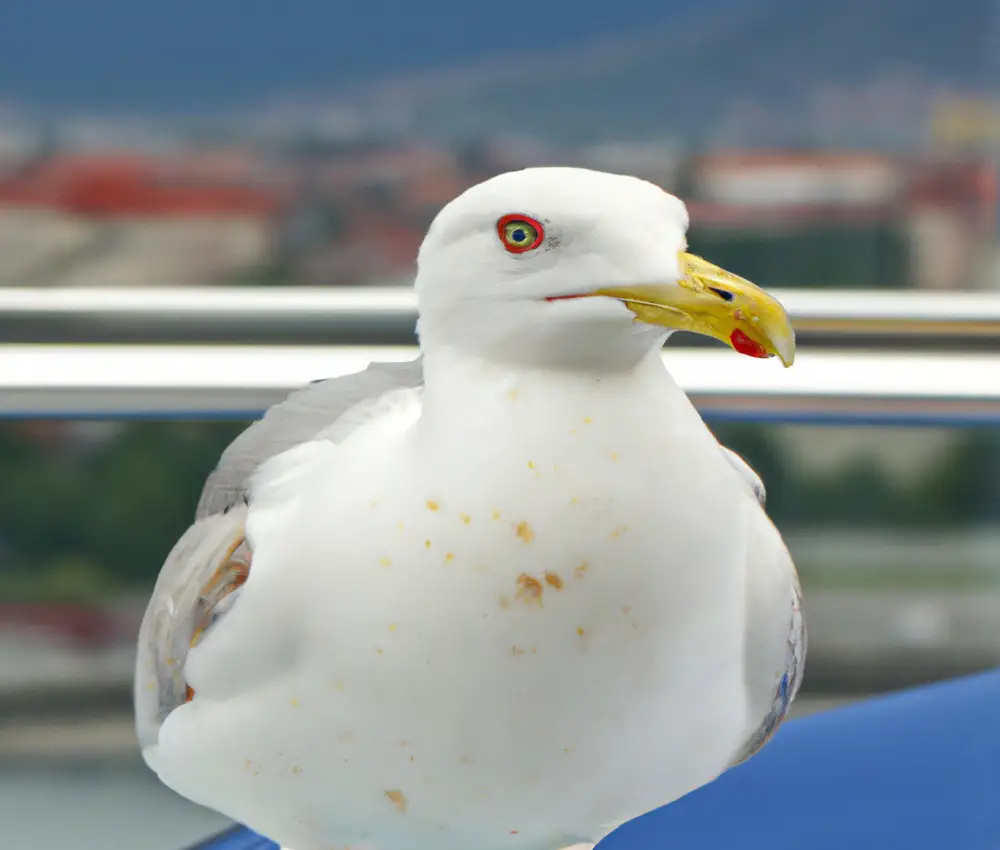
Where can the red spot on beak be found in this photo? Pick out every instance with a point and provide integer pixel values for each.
(744, 345)
(566, 297)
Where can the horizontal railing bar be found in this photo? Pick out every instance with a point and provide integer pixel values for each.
(386, 316)
(238, 382)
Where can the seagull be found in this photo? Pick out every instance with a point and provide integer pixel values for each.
(507, 596)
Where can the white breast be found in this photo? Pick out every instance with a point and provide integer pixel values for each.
(520, 638)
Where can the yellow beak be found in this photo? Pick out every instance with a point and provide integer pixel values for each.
(711, 301)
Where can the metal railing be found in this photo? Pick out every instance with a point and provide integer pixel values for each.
(386, 316)
(864, 357)
(204, 382)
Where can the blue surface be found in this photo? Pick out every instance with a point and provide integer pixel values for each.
(236, 838)
(917, 770)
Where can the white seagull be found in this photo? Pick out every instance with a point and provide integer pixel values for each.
(505, 597)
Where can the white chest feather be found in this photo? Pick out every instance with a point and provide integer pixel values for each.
(546, 610)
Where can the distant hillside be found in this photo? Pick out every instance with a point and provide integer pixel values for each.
(186, 56)
(784, 71)
(743, 71)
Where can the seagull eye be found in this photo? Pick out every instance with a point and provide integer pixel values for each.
(519, 233)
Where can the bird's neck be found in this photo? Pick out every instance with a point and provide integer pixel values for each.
(518, 337)
(501, 393)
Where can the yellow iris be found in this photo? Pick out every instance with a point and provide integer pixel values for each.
(519, 234)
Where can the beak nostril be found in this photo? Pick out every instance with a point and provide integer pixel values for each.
(725, 296)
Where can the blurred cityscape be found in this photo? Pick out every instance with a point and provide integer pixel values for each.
(332, 212)
(862, 153)
(825, 145)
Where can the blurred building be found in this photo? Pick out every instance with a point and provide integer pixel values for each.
(795, 185)
(123, 220)
(967, 126)
(950, 209)
(846, 220)
(801, 219)
(354, 214)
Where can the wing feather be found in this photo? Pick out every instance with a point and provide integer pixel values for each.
(330, 406)
(203, 574)
(776, 637)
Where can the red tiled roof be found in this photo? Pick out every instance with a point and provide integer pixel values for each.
(968, 184)
(394, 245)
(104, 186)
(78, 623)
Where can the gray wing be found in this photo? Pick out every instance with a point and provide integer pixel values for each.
(776, 637)
(202, 576)
(322, 406)
(206, 566)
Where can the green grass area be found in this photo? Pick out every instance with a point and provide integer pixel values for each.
(65, 580)
(952, 578)
(78, 580)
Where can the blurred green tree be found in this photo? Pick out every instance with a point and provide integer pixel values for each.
(79, 523)
(115, 510)
(840, 257)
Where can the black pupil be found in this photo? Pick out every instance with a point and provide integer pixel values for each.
(518, 235)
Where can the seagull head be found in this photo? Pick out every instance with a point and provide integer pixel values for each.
(572, 267)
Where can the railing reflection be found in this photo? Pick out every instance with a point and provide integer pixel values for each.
(239, 382)
(386, 316)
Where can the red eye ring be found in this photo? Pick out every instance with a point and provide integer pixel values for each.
(534, 233)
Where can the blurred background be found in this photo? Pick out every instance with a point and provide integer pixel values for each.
(830, 145)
